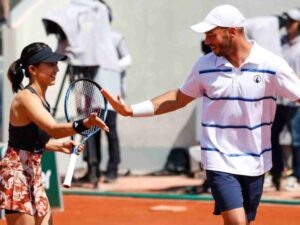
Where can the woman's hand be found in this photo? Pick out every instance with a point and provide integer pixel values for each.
(94, 120)
(64, 147)
(68, 146)
(117, 104)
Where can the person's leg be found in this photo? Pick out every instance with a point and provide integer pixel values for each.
(19, 219)
(235, 217)
(277, 156)
(93, 159)
(45, 220)
(227, 193)
(295, 130)
(113, 146)
(296, 162)
(94, 142)
(252, 188)
(26, 219)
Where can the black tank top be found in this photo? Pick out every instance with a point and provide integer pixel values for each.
(30, 137)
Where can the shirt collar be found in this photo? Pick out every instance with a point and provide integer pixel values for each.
(222, 61)
(252, 58)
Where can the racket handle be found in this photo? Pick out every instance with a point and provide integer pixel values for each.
(70, 171)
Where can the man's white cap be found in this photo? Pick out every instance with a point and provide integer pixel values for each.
(221, 16)
(294, 14)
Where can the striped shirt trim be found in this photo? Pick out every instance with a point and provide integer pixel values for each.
(236, 154)
(257, 70)
(240, 98)
(214, 70)
(237, 126)
(251, 70)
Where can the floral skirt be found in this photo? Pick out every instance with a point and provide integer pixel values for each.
(21, 187)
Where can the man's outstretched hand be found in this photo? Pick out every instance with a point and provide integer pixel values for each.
(117, 104)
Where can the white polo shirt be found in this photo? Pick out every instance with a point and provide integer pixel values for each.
(239, 107)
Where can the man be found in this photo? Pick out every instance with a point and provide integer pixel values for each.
(287, 112)
(239, 82)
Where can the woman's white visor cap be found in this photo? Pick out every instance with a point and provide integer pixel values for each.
(221, 16)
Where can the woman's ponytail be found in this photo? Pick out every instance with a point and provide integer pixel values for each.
(16, 74)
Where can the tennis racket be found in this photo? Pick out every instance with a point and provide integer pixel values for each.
(83, 97)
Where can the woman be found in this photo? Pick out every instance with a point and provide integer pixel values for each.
(31, 125)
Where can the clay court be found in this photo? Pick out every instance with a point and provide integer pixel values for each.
(97, 210)
(93, 210)
(145, 201)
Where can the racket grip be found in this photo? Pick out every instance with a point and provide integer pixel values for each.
(70, 171)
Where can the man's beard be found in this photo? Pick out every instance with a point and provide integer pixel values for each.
(225, 48)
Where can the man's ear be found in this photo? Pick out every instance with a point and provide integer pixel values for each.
(233, 30)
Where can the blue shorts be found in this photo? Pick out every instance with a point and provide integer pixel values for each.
(232, 191)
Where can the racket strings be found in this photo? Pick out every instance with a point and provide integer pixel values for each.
(85, 98)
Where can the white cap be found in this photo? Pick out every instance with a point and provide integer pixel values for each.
(294, 14)
(221, 16)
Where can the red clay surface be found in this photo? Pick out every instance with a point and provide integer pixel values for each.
(168, 184)
(97, 210)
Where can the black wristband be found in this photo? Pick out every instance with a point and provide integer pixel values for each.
(78, 126)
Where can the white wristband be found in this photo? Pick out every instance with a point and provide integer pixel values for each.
(143, 109)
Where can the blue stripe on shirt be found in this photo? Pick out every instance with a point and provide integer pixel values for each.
(241, 99)
(251, 70)
(214, 70)
(258, 70)
(237, 126)
(236, 154)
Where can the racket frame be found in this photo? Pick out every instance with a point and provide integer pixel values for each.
(73, 159)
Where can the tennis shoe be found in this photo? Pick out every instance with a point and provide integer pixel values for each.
(291, 183)
(110, 178)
